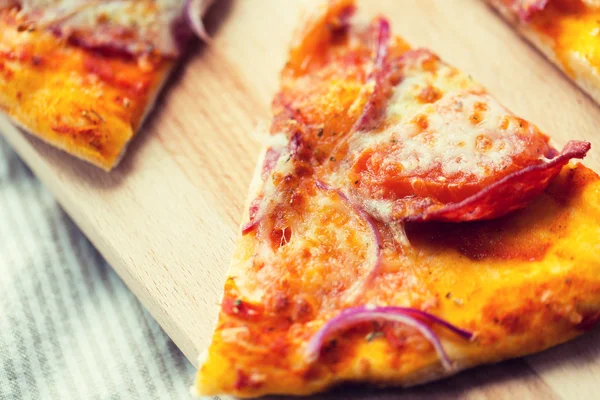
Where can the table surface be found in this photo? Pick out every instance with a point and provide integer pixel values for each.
(167, 217)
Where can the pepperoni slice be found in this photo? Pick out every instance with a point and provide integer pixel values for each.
(462, 198)
(448, 151)
(510, 193)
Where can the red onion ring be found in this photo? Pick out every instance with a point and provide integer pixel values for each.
(194, 10)
(377, 239)
(377, 74)
(255, 214)
(406, 316)
(432, 318)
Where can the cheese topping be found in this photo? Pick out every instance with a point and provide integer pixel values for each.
(443, 137)
(441, 119)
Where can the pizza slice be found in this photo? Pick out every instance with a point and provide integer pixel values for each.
(402, 225)
(82, 74)
(567, 32)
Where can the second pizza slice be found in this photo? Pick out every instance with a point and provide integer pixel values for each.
(567, 32)
(402, 225)
(82, 75)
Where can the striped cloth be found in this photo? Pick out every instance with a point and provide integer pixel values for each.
(69, 328)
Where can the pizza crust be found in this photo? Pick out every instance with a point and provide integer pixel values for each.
(585, 76)
(123, 135)
(149, 108)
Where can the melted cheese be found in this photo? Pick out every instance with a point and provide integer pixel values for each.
(465, 132)
(317, 246)
(451, 141)
(442, 135)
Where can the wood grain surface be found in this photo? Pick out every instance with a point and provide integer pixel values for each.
(167, 217)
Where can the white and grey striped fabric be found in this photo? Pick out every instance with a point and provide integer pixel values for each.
(69, 328)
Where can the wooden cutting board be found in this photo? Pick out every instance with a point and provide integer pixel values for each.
(167, 217)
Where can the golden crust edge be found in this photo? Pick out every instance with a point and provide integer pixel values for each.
(148, 109)
(253, 190)
(584, 75)
(83, 153)
(429, 373)
(79, 152)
